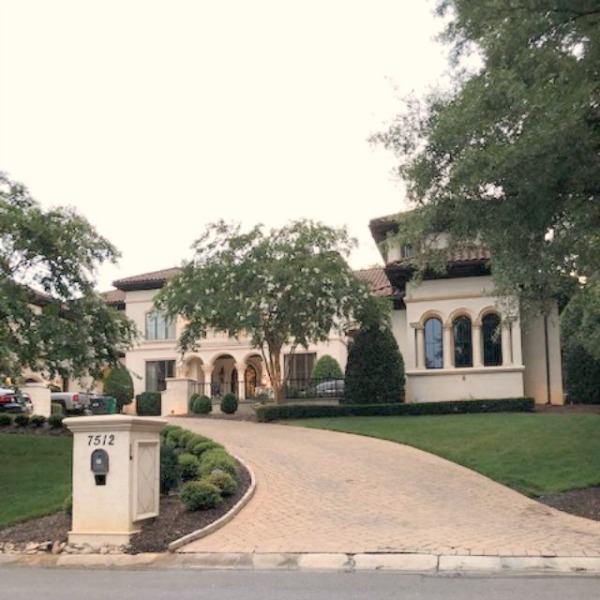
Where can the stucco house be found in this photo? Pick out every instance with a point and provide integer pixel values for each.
(457, 339)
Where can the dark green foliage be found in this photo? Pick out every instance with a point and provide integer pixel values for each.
(57, 409)
(148, 404)
(22, 420)
(167, 429)
(375, 369)
(582, 375)
(327, 367)
(193, 441)
(200, 448)
(119, 385)
(169, 468)
(217, 459)
(224, 481)
(188, 466)
(202, 405)
(5, 420)
(37, 420)
(173, 432)
(199, 495)
(229, 404)
(265, 414)
(55, 421)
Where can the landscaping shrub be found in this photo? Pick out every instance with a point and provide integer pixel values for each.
(5, 420)
(167, 429)
(22, 420)
(55, 421)
(188, 466)
(174, 433)
(148, 404)
(37, 420)
(582, 375)
(57, 409)
(229, 404)
(202, 447)
(199, 495)
(327, 367)
(119, 385)
(193, 441)
(264, 414)
(202, 405)
(224, 481)
(375, 368)
(169, 468)
(217, 459)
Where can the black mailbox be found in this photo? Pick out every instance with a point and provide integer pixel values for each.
(100, 466)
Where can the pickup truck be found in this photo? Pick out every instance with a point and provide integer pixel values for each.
(72, 401)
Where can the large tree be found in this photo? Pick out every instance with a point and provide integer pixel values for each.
(510, 156)
(289, 286)
(51, 318)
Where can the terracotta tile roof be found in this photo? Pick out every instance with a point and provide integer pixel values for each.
(146, 281)
(114, 296)
(377, 279)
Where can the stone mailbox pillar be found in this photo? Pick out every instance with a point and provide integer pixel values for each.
(116, 477)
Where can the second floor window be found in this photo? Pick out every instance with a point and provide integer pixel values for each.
(159, 327)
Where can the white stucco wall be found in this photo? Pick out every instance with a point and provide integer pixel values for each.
(543, 380)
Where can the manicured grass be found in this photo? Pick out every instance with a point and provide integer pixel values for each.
(35, 476)
(533, 453)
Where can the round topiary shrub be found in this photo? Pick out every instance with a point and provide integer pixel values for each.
(193, 441)
(22, 420)
(55, 421)
(200, 448)
(188, 466)
(37, 420)
(224, 481)
(217, 459)
(325, 368)
(119, 385)
(199, 495)
(202, 405)
(229, 404)
(169, 467)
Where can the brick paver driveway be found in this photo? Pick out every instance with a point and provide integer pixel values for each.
(320, 491)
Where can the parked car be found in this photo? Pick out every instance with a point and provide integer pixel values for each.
(330, 389)
(72, 401)
(15, 401)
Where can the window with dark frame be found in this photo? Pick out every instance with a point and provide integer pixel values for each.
(299, 366)
(463, 344)
(159, 327)
(492, 340)
(157, 372)
(434, 343)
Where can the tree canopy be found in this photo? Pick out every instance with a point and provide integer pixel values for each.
(510, 156)
(51, 318)
(289, 286)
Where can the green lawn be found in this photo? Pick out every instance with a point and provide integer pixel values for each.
(35, 476)
(532, 453)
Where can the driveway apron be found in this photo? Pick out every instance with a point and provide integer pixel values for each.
(321, 492)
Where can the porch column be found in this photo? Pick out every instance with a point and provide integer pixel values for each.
(477, 362)
(419, 345)
(448, 346)
(516, 342)
(241, 371)
(208, 370)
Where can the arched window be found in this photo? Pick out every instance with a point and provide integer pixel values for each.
(159, 327)
(463, 346)
(434, 344)
(492, 340)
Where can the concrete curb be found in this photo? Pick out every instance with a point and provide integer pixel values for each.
(200, 533)
(333, 562)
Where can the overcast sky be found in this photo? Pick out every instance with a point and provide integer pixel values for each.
(155, 117)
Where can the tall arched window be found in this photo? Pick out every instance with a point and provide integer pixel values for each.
(434, 344)
(492, 340)
(463, 345)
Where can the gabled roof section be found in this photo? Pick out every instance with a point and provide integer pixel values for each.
(377, 279)
(147, 281)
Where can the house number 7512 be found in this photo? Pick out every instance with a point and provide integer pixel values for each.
(108, 439)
